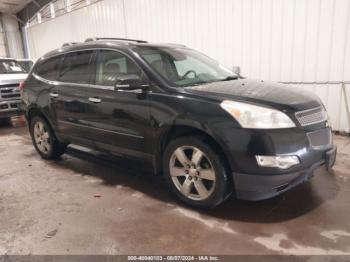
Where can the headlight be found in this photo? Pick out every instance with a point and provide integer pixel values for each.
(251, 116)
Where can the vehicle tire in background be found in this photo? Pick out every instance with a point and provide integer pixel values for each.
(5, 120)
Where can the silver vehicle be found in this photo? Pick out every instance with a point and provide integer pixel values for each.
(11, 75)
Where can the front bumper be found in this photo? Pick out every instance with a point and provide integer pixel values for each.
(258, 187)
(10, 108)
(254, 182)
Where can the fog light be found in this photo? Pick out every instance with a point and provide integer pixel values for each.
(282, 162)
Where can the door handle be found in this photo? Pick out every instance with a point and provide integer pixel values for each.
(95, 99)
(53, 94)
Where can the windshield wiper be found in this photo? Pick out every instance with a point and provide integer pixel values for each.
(213, 81)
(229, 78)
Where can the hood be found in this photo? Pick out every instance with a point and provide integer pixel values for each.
(271, 94)
(8, 79)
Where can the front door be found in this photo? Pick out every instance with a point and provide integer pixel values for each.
(120, 119)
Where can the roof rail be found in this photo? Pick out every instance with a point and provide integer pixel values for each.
(112, 38)
(69, 43)
(179, 45)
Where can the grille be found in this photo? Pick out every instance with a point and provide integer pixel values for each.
(10, 91)
(311, 116)
(320, 138)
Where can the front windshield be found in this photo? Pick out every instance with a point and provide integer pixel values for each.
(183, 66)
(10, 67)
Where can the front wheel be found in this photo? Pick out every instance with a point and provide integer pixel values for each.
(195, 172)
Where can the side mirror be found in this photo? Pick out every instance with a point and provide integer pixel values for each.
(130, 82)
(236, 70)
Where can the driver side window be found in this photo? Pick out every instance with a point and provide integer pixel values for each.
(111, 65)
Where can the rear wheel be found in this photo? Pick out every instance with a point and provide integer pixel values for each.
(195, 172)
(44, 139)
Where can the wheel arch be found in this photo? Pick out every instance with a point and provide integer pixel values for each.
(182, 130)
(36, 111)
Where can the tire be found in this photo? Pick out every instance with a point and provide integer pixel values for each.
(206, 169)
(5, 120)
(44, 139)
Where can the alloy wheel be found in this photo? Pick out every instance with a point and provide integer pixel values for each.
(42, 137)
(192, 173)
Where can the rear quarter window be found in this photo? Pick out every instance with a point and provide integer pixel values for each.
(49, 68)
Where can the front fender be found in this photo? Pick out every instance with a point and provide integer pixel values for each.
(169, 112)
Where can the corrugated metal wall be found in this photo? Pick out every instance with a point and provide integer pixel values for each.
(280, 40)
(3, 44)
(10, 37)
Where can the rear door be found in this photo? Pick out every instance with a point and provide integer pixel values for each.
(45, 73)
(120, 118)
(71, 98)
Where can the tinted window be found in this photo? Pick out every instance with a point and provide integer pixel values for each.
(75, 67)
(49, 68)
(111, 64)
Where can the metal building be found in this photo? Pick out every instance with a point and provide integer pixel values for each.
(306, 42)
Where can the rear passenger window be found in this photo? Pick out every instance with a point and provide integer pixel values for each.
(49, 69)
(75, 67)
